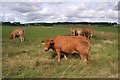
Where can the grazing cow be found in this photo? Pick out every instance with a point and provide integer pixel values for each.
(72, 31)
(69, 44)
(88, 32)
(17, 33)
(75, 31)
(78, 32)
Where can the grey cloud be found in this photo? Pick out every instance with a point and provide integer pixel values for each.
(36, 16)
(60, 11)
(24, 8)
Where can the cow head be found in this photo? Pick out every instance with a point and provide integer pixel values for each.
(48, 44)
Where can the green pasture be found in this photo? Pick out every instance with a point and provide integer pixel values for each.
(29, 60)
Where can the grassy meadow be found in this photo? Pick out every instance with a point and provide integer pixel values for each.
(29, 60)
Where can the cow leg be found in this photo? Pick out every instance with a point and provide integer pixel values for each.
(58, 54)
(83, 57)
(23, 38)
(71, 33)
(88, 36)
(76, 34)
(91, 35)
(65, 57)
(89, 56)
(20, 38)
(83, 34)
(13, 38)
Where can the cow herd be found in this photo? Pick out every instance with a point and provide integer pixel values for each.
(88, 32)
(79, 42)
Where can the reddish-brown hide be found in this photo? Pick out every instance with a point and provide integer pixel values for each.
(88, 32)
(68, 45)
(17, 33)
(75, 31)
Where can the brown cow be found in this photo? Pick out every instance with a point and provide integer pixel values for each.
(88, 32)
(72, 31)
(17, 33)
(78, 32)
(75, 31)
(69, 44)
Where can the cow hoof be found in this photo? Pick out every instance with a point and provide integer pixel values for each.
(88, 62)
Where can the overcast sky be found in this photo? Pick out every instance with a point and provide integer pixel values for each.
(61, 11)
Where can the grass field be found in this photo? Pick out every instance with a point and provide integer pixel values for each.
(29, 60)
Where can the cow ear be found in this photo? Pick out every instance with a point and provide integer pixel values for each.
(43, 42)
(51, 42)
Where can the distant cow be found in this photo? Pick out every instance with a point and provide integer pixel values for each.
(78, 31)
(72, 31)
(88, 32)
(69, 44)
(75, 31)
(17, 33)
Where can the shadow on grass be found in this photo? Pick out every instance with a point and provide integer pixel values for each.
(75, 55)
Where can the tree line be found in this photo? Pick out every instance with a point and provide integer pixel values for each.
(57, 23)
